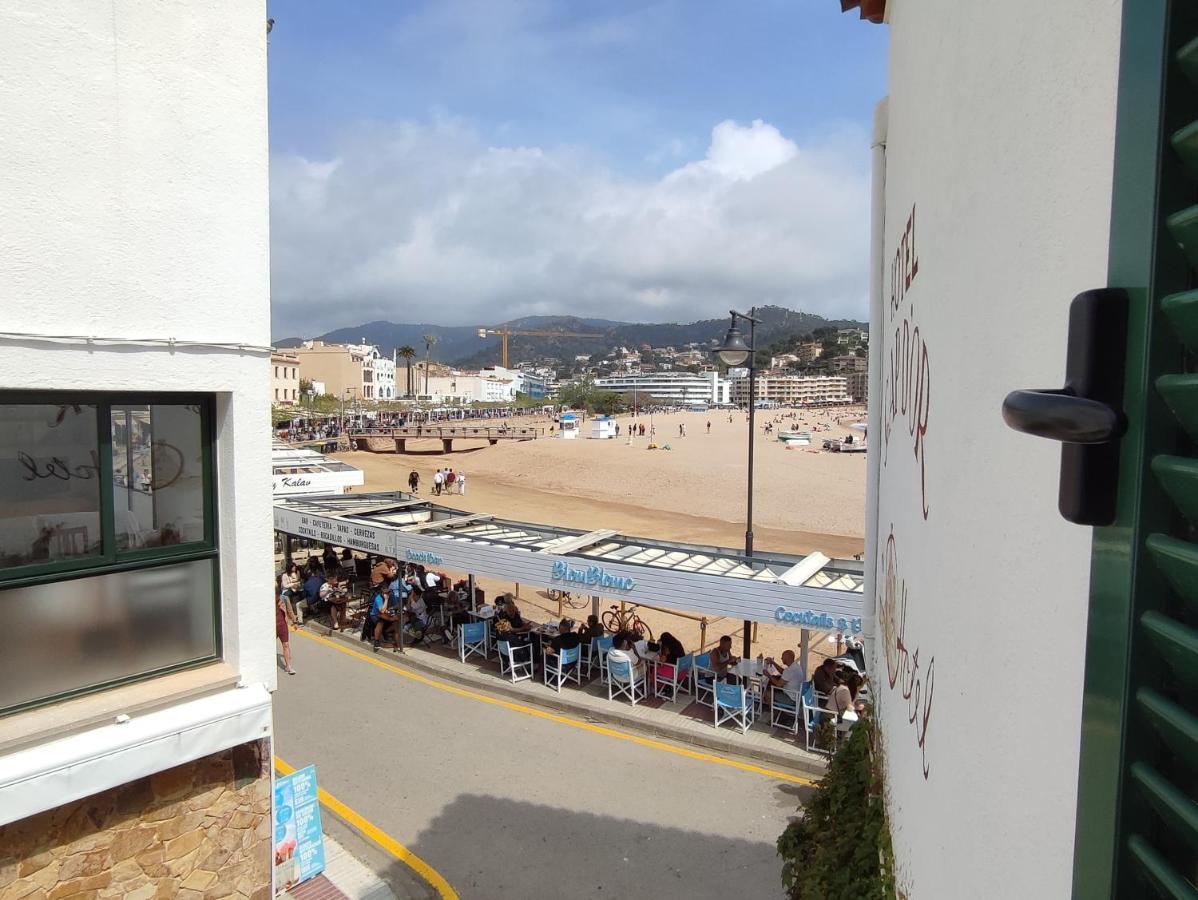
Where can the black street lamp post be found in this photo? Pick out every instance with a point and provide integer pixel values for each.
(735, 352)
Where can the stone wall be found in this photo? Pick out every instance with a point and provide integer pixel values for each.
(199, 831)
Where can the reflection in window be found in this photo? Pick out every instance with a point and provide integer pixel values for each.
(158, 475)
(49, 483)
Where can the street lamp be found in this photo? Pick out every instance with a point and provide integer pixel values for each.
(735, 352)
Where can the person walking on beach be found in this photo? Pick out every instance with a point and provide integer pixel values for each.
(450, 478)
(438, 480)
(683, 426)
(414, 481)
(461, 482)
(709, 426)
(681, 430)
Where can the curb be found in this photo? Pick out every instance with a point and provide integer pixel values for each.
(717, 740)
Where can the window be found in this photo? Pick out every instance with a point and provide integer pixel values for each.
(276, 371)
(107, 541)
(276, 393)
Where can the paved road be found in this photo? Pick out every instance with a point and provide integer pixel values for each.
(504, 804)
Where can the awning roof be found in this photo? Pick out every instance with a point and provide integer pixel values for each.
(871, 10)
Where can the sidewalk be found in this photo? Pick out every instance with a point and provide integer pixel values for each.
(344, 878)
(683, 722)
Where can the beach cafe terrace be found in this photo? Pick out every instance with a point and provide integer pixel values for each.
(812, 592)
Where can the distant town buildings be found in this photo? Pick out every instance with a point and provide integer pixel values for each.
(349, 371)
(792, 390)
(677, 387)
(284, 379)
(839, 364)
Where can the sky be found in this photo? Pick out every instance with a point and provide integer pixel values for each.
(465, 162)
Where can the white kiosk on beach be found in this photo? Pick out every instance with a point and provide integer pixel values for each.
(603, 427)
(569, 426)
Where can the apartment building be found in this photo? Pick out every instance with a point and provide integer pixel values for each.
(857, 385)
(135, 549)
(792, 390)
(849, 363)
(349, 371)
(284, 378)
(809, 351)
(676, 387)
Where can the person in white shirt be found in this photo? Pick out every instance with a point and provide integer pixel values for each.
(461, 482)
(432, 580)
(789, 676)
(438, 479)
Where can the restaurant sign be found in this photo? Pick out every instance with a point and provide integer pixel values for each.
(809, 618)
(298, 837)
(334, 531)
(591, 576)
(424, 556)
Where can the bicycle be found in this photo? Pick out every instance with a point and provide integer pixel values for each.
(615, 621)
(579, 602)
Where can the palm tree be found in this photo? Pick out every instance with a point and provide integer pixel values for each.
(408, 353)
(429, 340)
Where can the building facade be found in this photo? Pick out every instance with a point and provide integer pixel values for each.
(989, 795)
(680, 388)
(792, 390)
(857, 386)
(135, 730)
(349, 371)
(284, 378)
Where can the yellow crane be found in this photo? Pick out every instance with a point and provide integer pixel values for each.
(505, 333)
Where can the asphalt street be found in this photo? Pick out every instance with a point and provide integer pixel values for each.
(506, 804)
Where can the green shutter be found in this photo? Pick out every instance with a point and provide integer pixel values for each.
(1137, 829)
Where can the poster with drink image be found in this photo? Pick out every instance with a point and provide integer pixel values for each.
(298, 837)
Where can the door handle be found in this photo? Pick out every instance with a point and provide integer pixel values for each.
(1086, 415)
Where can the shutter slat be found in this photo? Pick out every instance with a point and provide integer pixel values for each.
(1183, 226)
(1187, 58)
(1181, 394)
(1182, 312)
(1156, 868)
(1179, 811)
(1178, 475)
(1177, 728)
(1176, 643)
(1178, 562)
(1185, 145)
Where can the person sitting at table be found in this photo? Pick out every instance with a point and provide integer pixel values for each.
(566, 639)
(840, 700)
(329, 558)
(623, 643)
(416, 613)
(722, 660)
(509, 622)
(671, 650)
(592, 629)
(383, 613)
(788, 676)
(333, 593)
(824, 678)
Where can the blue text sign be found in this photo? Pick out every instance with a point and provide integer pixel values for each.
(299, 838)
(590, 576)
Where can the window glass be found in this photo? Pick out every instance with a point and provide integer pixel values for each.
(158, 475)
(49, 483)
(80, 634)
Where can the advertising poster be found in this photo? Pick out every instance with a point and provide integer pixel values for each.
(299, 839)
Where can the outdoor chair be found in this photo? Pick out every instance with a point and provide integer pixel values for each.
(594, 655)
(813, 716)
(472, 640)
(511, 664)
(563, 666)
(703, 680)
(733, 704)
(623, 680)
(785, 711)
(676, 677)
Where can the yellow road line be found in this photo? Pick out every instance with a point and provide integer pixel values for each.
(563, 720)
(443, 888)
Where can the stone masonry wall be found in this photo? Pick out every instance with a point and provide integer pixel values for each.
(199, 831)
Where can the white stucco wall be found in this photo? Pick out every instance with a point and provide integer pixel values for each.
(133, 204)
(1000, 137)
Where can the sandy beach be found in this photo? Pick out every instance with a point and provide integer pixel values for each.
(805, 499)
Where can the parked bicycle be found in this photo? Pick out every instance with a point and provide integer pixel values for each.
(574, 602)
(615, 621)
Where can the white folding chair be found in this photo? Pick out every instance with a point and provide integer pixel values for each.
(733, 704)
(624, 679)
(813, 716)
(671, 678)
(703, 680)
(785, 711)
(561, 667)
(594, 655)
(472, 640)
(511, 664)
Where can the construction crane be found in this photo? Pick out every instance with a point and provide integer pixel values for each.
(505, 333)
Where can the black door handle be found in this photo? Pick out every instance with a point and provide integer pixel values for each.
(1086, 415)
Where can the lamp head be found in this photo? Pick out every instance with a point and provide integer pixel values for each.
(734, 351)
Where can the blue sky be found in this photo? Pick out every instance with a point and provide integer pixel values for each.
(407, 137)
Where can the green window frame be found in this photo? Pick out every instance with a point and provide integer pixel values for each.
(110, 559)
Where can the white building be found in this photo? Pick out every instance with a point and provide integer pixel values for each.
(495, 385)
(679, 388)
(378, 372)
(792, 390)
(1033, 675)
(135, 542)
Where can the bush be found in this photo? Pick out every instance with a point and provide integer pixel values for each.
(841, 846)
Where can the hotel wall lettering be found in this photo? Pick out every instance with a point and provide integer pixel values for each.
(907, 369)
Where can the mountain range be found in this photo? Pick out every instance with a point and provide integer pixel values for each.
(460, 344)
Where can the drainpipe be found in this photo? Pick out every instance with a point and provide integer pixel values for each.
(877, 324)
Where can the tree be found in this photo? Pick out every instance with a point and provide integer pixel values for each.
(408, 353)
(429, 340)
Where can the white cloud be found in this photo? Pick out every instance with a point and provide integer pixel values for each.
(425, 222)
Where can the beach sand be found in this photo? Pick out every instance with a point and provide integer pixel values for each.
(805, 500)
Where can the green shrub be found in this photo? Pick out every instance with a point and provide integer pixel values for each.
(840, 848)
